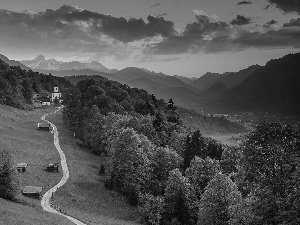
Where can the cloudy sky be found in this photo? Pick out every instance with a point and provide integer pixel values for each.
(183, 37)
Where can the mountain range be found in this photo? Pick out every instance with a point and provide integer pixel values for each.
(273, 87)
(40, 63)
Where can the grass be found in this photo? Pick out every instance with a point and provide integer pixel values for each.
(83, 196)
(18, 134)
(12, 213)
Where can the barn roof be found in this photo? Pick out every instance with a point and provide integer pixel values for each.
(44, 99)
(32, 190)
(21, 165)
(43, 125)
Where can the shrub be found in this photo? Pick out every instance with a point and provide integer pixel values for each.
(109, 184)
(9, 183)
(102, 169)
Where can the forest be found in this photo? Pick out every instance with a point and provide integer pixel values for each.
(18, 85)
(177, 176)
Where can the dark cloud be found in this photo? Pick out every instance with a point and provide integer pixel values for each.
(156, 4)
(240, 20)
(73, 30)
(292, 23)
(268, 6)
(287, 5)
(270, 23)
(194, 36)
(204, 25)
(284, 37)
(211, 35)
(244, 3)
(71, 19)
(122, 29)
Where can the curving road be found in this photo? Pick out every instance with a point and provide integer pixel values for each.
(47, 196)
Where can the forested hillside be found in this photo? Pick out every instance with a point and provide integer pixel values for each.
(190, 118)
(18, 85)
(176, 176)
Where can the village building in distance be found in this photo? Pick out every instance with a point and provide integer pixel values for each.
(43, 99)
(56, 94)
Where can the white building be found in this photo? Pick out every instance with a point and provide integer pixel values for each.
(44, 100)
(55, 94)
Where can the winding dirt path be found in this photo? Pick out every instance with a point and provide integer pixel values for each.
(45, 203)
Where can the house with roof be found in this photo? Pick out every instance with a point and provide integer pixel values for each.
(45, 101)
(44, 94)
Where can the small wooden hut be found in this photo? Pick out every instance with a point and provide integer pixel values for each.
(32, 191)
(44, 126)
(52, 167)
(21, 167)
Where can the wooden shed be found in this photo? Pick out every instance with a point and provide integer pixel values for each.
(32, 191)
(44, 126)
(52, 167)
(21, 167)
(45, 101)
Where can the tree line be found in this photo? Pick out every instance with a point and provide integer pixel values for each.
(17, 85)
(176, 176)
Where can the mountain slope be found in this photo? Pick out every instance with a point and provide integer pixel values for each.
(217, 88)
(131, 73)
(274, 87)
(233, 79)
(207, 80)
(186, 80)
(279, 80)
(13, 62)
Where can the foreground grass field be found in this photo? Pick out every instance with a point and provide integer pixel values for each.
(83, 197)
(19, 135)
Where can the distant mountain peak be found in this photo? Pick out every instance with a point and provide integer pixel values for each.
(95, 63)
(40, 57)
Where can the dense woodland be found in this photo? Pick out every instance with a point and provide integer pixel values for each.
(176, 176)
(18, 85)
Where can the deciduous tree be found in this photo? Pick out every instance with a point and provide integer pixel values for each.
(220, 194)
(9, 183)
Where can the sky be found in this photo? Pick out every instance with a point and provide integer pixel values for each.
(176, 37)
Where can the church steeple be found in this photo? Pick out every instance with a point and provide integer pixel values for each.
(55, 89)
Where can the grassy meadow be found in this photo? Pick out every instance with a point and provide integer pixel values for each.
(83, 197)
